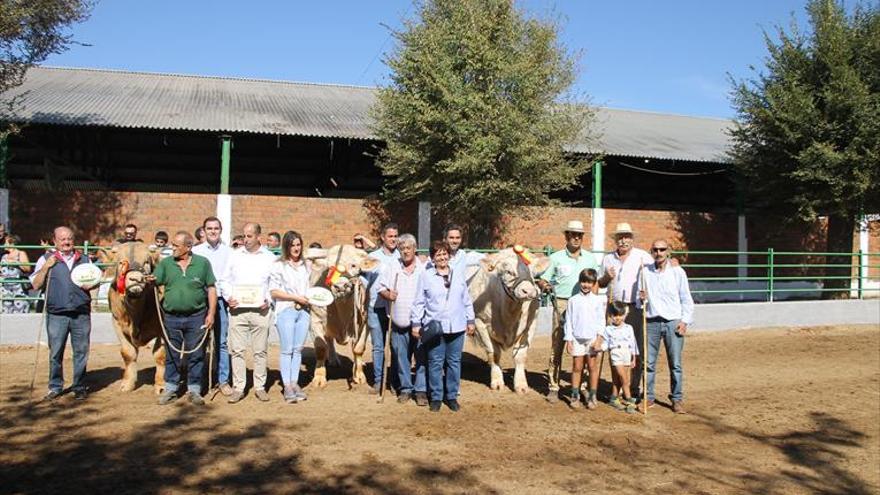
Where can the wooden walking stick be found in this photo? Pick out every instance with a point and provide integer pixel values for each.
(386, 366)
(644, 343)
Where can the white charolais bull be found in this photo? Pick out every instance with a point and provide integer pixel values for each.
(506, 301)
(345, 320)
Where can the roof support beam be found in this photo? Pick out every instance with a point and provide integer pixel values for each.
(225, 157)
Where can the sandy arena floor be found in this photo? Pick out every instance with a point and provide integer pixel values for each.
(770, 411)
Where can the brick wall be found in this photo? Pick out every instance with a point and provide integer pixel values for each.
(99, 216)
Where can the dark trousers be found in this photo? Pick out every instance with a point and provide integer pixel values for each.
(184, 330)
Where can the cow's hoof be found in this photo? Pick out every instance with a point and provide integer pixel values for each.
(496, 385)
(521, 390)
(159, 388)
(359, 378)
(319, 380)
(126, 386)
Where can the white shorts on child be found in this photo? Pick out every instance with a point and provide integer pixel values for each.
(621, 356)
(582, 347)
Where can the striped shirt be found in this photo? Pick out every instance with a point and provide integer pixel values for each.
(406, 289)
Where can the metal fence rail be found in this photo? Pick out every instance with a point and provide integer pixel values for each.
(777, 272)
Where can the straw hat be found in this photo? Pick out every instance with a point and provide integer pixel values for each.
(575, 226)
(622, 228)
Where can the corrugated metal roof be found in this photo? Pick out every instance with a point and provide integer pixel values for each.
(68, 96)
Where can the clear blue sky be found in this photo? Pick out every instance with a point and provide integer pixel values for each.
(639, 54)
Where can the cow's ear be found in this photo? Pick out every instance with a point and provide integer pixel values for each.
(368, 264)
(539, 264)
(488, 262)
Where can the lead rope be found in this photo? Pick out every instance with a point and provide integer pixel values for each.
(183, 351)
(40, 335)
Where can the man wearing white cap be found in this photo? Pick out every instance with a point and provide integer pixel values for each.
(562, 276)
(621, 269)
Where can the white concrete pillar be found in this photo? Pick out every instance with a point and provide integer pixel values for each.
(424, 224)
(863, 247)
(224, 213)
(742, 245)
(598, 233)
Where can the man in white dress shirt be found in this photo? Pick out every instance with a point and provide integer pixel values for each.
(245, 286)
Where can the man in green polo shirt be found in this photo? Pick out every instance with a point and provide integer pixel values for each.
(562, 277)
(189, 304)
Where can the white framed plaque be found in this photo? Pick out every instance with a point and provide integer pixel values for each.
(248, 296)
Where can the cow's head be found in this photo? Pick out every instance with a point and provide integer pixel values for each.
(516, 272)
(338, 268)
(127, 265)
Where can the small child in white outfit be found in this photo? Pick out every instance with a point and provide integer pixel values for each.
(584, 321)
(620, 342)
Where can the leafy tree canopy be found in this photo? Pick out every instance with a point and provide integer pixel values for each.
(478, 112)
(808, 135)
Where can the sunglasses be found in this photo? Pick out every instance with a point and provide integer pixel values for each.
(659, 250)
(446, 282)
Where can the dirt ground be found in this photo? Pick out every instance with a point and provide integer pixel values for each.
(770, 411)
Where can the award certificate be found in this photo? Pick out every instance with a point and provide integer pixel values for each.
(248, 296)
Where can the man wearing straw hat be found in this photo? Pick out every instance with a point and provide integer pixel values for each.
(562, 278)
(621, 268)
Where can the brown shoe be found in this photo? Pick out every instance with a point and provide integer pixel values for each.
(678, 407)
(421, 399)
(226, 389)
(650, 403)
(262, 395)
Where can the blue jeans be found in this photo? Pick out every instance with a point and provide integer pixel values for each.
(184, 330)
(404, 346)
(293, 328)
(222, 365)
(58, 327)
(445, 350)
(674, 344)
(377, 322)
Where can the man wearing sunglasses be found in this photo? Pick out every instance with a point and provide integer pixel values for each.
(669, 311)
(562, 278)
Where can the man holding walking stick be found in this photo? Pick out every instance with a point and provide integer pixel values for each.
(621, 269)
(397, 284)
(669, 312)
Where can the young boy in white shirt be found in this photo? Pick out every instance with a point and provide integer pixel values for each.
(620, 342)
(584, 321)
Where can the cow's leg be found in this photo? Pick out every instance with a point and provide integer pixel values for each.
(159, 357)
(320, 377)
(332, 355)
(129, 354)
(358, 348)
(358, 376)
(520, 352)
(493, 355)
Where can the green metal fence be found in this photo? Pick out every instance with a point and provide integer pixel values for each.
(769, 273)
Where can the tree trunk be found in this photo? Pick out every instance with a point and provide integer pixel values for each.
(840, 240)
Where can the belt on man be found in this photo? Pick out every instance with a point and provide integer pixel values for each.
(657, 319)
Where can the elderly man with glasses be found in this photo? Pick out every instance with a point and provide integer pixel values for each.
(562, 278)
(669, 311)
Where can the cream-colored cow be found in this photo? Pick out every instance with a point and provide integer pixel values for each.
(133, 306)
(506, 301)
(345, 320)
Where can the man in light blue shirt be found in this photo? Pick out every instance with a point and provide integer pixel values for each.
(562, 277)
(669, 312)
(377, 313)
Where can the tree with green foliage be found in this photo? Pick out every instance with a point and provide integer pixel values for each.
(30, 31)
(807, 139)
(478, 112)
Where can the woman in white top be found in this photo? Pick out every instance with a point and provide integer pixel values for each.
(288, 282)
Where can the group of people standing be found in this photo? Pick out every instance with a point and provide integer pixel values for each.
(241, 292)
